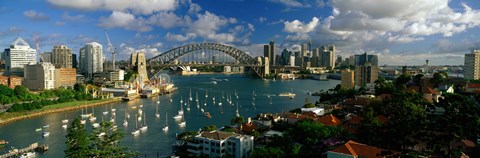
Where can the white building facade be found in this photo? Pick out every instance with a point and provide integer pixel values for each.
(39, 76)
(91, 59)
(220, 144)
(17, 56)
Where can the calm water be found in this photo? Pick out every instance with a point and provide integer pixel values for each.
(22, 133)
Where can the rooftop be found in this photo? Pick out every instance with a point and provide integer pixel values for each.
(361, 150)
(217, 135)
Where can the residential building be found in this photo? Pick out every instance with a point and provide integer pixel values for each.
(65, 77)
(362, 59)
(219, 144)
(472, 65)
(329, 120)
(91, 59)
(348, 79)
(352, 149)
(17, 56)
(117, 75)
(4, 80)
(46, 57)
(61, 56)
(366, 74)
(14, 81)
(39, 76)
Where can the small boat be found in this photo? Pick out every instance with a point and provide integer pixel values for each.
(181, 99)
(45, 134)
(95, 125)
(101, 134)
(206, 93)
(46, 126)
(125, 122)
(201, 109)
(196, 96)
(207, 114)
(64, 126)
(158, 102)
(165, 128)
(190, 95)
(214, 82)
(177, 117)
(65, 121)
(28, 154)
(183, 123)
(225, 79)
(134, 107)
(136, 131)
(92, 117)
(38, 129)
(83, 121)
(144, 126)
(141, 105)
(287, 94)
(157, 115)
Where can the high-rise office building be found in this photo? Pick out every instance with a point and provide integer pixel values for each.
(61, 56)
(361, 59)
(273, 56)
(266, 51)
(74, 61)
(304, 49)
(348, 79)
(285, 56)
(17, 56)
(39, 76)
(91, 59)
(472, 65)
(365, 74)
(328, 56)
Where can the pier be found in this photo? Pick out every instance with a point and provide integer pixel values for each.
(32, 147)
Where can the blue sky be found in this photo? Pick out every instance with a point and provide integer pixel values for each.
(401, 32)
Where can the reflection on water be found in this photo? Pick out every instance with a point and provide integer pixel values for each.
(149, 142)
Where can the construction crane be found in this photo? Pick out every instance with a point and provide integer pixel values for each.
(37, 46)
(111, 49)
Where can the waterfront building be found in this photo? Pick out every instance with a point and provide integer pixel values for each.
(61, 56)
(10, 81)
(39, 76)
(220, 144)
(117, 75)
(366, 74)
(91, 59)
(472, 65)
(17, 56)
(291, 61)
(348, 79)
(65, 77)
(361, 59)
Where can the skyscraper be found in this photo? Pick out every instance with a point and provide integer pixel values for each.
(328, 56)
(266, 51)
(348, 79)
(17, 56)
(39, 76)
(272, 57)
(361, 59)
(61, 56)
(472, 65)
(74, 61)
(91, 59)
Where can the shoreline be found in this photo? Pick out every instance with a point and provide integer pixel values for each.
(33, 114)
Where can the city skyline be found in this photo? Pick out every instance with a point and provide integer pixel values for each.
(399, 32)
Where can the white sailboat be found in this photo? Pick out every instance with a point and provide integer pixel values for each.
(125, 121)
(157, 115)
(170, 98)
(236, 111)
(180, 112)
(190, 95)
(183, 123)
(196, 96)
(181, 99)
(106, 111)
(144, 126)
(65, 120)
(206, 93)
(220, 103)
(92, 116)
(188, 106)
(136, 131)
(64, 126)
(165, 128)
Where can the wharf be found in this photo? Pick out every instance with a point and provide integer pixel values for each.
(31, 147)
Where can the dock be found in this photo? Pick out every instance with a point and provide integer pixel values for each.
(32, 147)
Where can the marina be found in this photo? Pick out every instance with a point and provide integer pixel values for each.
(161, 132)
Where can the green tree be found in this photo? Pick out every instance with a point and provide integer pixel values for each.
(78, 144)
(438, 78)
(106, 142)
(237, 120)
(271, 152)
(382, 86)
(209, 128)
(401, 80)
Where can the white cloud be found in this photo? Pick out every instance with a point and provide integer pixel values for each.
(291, 3)
(194, 8)
(166, 20)
(299, 27)
(251, 27)
(73, 18)
(35, 16)
(208, 24)
(262, 19)
(59, 23)
(138, 7)
(178, 37)
(124, 20)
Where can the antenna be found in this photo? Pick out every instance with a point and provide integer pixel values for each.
(37, 46)
(111, 49)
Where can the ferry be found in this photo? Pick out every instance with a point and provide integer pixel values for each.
(45, 134)
(287, 94)
(208, 115)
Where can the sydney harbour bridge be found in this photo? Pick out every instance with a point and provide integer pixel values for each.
(205, 54)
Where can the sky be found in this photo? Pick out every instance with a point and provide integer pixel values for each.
(400, 32)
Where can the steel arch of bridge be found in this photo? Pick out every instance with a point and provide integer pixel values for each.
(169, 56)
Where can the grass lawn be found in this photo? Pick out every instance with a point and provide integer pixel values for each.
(9, 115)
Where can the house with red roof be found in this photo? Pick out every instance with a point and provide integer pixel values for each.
(352, 149)
(329, 120)
(472, 88)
